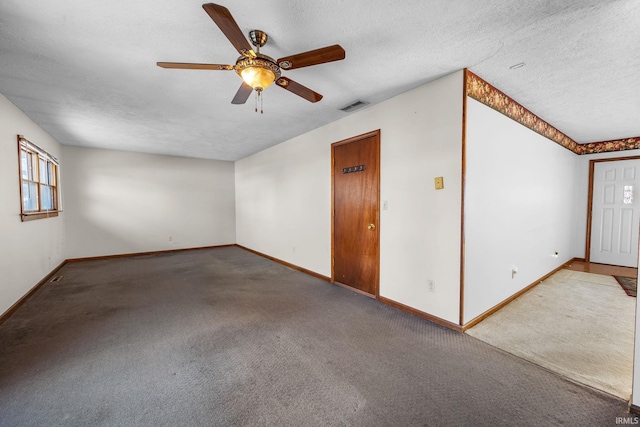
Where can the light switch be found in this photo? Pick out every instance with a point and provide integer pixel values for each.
(439, 182)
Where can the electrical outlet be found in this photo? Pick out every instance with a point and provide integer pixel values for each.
(171, 238)
(432, 286)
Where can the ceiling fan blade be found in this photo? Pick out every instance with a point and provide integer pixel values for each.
(298, 89)
(242, 94)
(223, 19)
(312, 57)
(191, 66)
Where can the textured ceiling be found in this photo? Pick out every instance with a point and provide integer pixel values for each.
(85, 70)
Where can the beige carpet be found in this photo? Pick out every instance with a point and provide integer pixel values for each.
(580, 325)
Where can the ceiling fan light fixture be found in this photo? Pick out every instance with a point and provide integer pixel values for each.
(259, 73)
(256, 70)
(258, 78)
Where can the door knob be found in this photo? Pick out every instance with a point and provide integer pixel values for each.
(371, 227)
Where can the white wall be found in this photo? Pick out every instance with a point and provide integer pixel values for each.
(29, 250)
(122, 202)
(283, 196)
(520, 203)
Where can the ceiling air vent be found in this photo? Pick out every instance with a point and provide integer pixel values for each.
(354, 106)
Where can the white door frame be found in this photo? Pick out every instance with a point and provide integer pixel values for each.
(592, 164)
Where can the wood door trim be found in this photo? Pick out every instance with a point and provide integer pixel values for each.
(592, 167)
(375, 134)
(463, 182)
(354, 139)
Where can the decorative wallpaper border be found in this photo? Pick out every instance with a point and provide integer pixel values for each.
(484, 92)
(613, 145)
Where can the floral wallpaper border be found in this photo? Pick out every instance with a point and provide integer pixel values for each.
(484, 92)
(613, 145)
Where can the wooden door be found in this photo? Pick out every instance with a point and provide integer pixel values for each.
(615, 212)
(356, 190)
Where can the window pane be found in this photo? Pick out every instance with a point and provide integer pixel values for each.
(627, 195)
(51, 173)
(29, 196)
(25, 194)
(33, 170)
(43, 172)
(46, 199)
(33, 190)
(24, 164)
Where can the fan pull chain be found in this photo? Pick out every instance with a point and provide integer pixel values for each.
(259, 96)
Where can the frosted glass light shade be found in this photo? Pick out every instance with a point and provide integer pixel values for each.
(258, 78)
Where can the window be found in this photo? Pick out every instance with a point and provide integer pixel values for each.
(38, 182)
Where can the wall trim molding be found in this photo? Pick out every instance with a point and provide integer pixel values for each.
(482, 91)
(286, 264)
(133, 254)
(382, 299)
(634, 409)
(521, 292)
(422, 314)
(4, 316)
(32, 291)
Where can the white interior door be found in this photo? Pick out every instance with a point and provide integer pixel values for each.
(615, 213)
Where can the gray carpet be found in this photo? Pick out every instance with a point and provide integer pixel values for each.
(224, 337)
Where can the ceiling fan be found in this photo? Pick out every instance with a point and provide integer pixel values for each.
(259, 71)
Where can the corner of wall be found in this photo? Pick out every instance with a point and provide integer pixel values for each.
(32, 249)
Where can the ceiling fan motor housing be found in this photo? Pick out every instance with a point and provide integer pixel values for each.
(258, 38)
